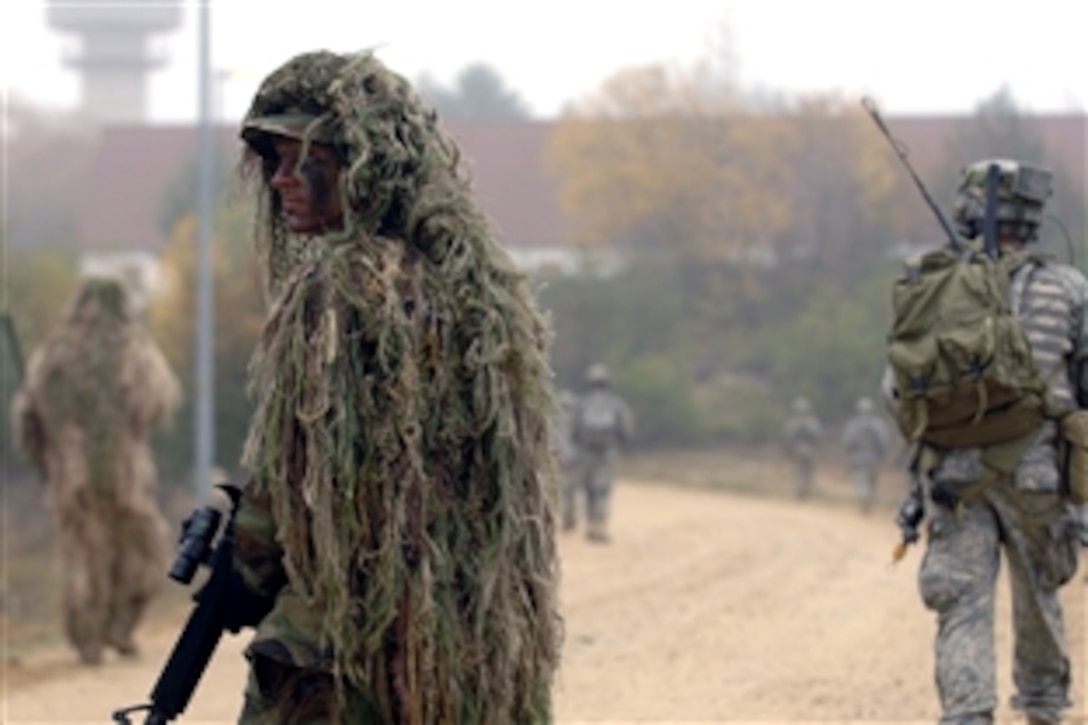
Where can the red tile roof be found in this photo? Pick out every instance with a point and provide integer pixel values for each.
(135, 165)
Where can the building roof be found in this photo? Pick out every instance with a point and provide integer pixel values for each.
(134, 166)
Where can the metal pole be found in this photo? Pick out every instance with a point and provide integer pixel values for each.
(204, 434)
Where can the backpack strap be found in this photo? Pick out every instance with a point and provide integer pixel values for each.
(997, 461)
(1022, 273)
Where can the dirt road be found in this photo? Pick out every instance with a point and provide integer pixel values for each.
(707, 607)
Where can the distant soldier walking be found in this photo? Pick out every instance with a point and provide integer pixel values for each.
(865, 438)
(567, 457)
(94, 391)
(802, 435)
(602, 423)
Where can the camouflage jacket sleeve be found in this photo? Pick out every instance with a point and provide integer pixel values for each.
(1080, 290)
(258, 557)
(1076, 288)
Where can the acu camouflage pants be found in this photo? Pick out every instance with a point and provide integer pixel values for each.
(594, 474)
(957, 581)
(864, 475)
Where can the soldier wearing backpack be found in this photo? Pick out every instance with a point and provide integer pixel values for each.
(985, 376)
(802, 436)
(602, 423)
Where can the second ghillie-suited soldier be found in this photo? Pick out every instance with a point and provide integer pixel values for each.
(865, 438)
(978, 514)
(802, 436)
(94, 391)
(399, 516)
(603, 422)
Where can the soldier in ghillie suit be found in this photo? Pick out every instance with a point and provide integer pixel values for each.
(93, 393)
(802, 435)
(399, 511)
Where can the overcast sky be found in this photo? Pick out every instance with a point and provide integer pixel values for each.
(917, 56)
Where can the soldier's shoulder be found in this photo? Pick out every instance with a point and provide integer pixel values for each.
(1071, 279)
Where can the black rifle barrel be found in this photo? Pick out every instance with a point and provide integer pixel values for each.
(201, 635)
(198, 640)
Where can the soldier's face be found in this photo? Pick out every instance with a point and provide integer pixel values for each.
(309, 191)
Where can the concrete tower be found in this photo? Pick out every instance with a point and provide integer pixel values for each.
(114, 58)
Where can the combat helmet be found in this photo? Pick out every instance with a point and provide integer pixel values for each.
(1022, 191)
(597, 374)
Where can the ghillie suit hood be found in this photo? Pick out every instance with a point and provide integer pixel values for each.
(402, 421)
(100, 373)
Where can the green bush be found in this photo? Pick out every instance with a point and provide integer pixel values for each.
(662, 400)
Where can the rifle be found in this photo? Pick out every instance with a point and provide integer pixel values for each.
(219, 604)
(910, 515)
(901, 151)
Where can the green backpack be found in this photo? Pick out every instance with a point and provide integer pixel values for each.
(961, 361)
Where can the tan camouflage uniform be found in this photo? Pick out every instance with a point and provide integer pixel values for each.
(113, 539)
(1025, 517)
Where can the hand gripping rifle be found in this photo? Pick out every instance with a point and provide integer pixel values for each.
(219, 607)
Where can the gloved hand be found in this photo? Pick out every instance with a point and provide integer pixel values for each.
(910, 515)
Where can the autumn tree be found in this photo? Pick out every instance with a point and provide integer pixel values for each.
(678, 162)
(239, 315)
(753, 229)
(478, 91)
(851, 202)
